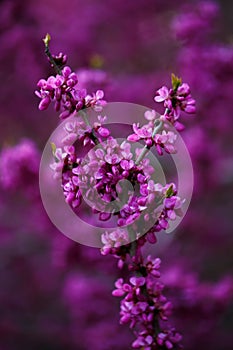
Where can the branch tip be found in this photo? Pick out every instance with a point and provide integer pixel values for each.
(47, 39)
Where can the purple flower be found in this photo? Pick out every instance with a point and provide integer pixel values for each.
(153, 266)
(122, 288)
(95, 100)
(150, 115)
(144, 340)
(104, 132)
(175, 100)
(113, 239)
(165, 141)
(137, 282)
(168, 339)
(162, 94)
(67, 98)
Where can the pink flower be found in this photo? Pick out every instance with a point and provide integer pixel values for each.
(121, 288)
(144, 341)
(137, 281)
(153, 266)
(175, 100)
(150, 115)
(114, 239)
(95, 100)
(104, 132)
(162, 94)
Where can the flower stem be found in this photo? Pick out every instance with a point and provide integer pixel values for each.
(46, 41)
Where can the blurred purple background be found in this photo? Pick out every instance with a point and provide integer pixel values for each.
(55, 293)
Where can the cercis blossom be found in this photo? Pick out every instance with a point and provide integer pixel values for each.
(118, 182)
(62, 90)
(176, 100)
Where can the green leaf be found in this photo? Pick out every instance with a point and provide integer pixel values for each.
(54, 148)
(169, 192)
(176, 82)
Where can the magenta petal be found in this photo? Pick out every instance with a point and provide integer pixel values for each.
(118, 293)
(64, 114)
(158, 99)
(66, 71)
(44, 103)
(125, 319)
(103, 132)
(170, 149)
(133, 138)
(99, 94)
(179, 126)
(159, 150)
(104, 216)
(190, 109)
(151, 237)
(137, 281)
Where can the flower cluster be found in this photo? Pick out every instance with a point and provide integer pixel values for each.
(107, 176)
(144, 305)
(147, 209)
(117, 182)
(151, 136)
(62, 90)
(176, 99)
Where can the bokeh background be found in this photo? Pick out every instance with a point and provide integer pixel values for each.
(54, 293)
